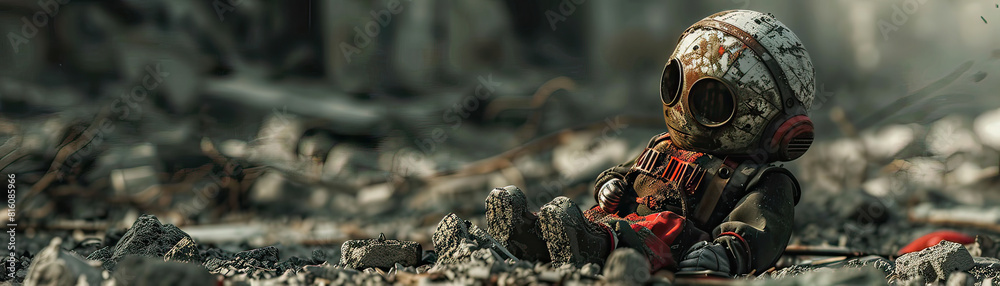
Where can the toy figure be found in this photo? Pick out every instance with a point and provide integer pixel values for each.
(702, 197)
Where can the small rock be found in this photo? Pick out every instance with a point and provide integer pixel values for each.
(479, 272)
(264, 257)
(590, 269)
(318, 256)
(959, 279)
(550, 276)
(626, 266)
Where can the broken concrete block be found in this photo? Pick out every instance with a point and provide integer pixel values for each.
(147, 237)
(53, 266)
(380, 252)
(184, 251)
(626, 266)
(264, 257)
(935, 263)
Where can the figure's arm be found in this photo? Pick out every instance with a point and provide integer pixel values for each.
(608, 196)
(756, 232)
(601, 185)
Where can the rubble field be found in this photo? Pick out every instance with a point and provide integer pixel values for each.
(346, 142)
(854, 239)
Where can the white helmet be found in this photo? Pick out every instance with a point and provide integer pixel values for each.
(739, 83)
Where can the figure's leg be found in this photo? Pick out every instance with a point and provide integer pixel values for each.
(510, 223)
(660, 236)
(571, 238)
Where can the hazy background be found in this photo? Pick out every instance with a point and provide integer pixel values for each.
(357, 113)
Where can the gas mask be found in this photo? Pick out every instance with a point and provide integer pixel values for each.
(739, 83)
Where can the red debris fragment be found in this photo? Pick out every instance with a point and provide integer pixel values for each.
(933, 238)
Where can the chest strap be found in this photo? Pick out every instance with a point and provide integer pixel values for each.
(683, 174)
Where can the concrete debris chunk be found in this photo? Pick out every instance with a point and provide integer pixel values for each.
(626, 266)
(53, 266)
(147, 237)
(264, 257)
(590, 270)
(935, 263)
(381, 253)
(184, 251)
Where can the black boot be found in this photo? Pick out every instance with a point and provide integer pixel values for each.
(571, 237)
(513, 226)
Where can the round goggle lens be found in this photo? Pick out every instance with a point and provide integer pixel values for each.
(712, 102)
(670, 83)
